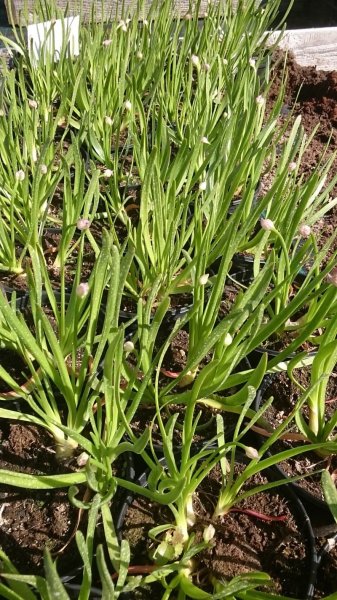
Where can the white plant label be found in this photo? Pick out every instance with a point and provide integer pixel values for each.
(46, 40)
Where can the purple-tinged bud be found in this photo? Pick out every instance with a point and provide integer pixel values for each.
(332, 276)
(304, 230)
(292, 167)
(267, 224)
(83, 224)
(20, 175)
(82, 290)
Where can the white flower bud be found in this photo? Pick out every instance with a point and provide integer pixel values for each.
(267, 224)
(107, 43)
(139, 55)
(225, 61)
(251, 452)
(82, 459)
(83, 224)
(252, 63)
(108, 120)
(43, 169)
(123, 26)
(195, 60)
(204, 140)
(20, 175)
(129, 346)
(107, 173)
(292, 167)
(228, 339)
(260, 100)
(34, 154)
(305, 230)
(202, 186)
(203, 279)
(82, 290)
(127, 105)
(206, 67)
(2, 112)
(208, 533)
(32, 104)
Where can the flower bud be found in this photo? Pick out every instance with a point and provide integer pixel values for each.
(260, 100)
(206, 67)
(2, 112)
(107, 173)
(195, 60)
(203, 279)
(83, 224)
(127, 105)
(305, 230)
(34, 154)
(129, 346)
(252, 63)
(292, 167)
(225, 61)
(228, 339)
(267, 224)
(107, 43)
(139, 55)
(123, 26)
(108, 120)
(251, 452)
(202, 186)
(208, 533)
(32, 104)
(82, 290)
(82, 459)
(43, 169)
(20, 175)
(332, 276)
(204, 140)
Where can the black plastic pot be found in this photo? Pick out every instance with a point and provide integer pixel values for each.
(298, 510)
(236, 203)
(279, 473)
(323, 556)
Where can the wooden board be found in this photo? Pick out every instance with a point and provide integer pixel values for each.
(22, 10)
(316, 47)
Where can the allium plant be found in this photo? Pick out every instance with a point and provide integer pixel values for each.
(64, 362)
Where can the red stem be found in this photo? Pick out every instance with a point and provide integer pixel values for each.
(254, 513)
(171, 374)
(137, 570)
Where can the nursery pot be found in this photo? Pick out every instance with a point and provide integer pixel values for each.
(297, 512)
(277, 470)
(327, 565)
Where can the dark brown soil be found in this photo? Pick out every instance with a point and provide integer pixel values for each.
(312, 94)
(285, 395)
(31, 520)
(242, 543)
(327, 572)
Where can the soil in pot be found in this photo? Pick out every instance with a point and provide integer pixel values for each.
(285, 395)
(277, 544)
(34, 519)
(327, 570)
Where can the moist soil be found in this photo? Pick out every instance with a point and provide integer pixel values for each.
(242, 543)
(286, 394)
(312, 94)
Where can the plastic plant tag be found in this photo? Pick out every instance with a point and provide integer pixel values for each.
(46, 40)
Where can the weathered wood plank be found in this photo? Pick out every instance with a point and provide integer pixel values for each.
(22, 10)
(316, 47)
